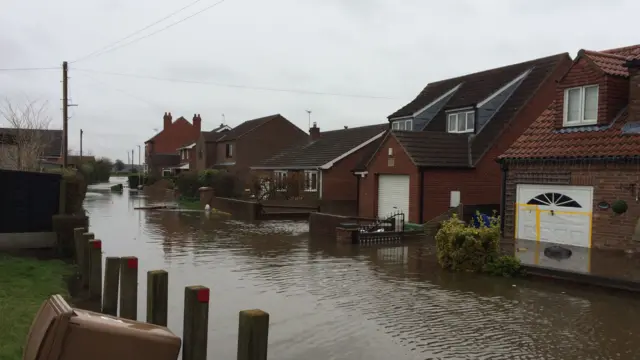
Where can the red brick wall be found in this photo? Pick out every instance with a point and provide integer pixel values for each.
(611, 182)
(266, 141)
(379, 165)
(178, 134)
(584, 73)
(339, 183)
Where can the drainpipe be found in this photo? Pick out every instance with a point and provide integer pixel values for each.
(357, 194)
(503, 194)
(421, 196)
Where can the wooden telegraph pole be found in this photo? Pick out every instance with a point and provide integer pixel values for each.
(65, 114)
(81, 132)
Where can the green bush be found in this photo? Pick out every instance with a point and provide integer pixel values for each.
(96, 171)
(462, 247)
(222, 183)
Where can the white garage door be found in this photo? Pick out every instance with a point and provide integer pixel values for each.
(393, 195)
(557, 214)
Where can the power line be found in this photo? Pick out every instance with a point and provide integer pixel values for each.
(153, 33)
(136, 32)
(122, 91)
(246, 87)
(30, 69)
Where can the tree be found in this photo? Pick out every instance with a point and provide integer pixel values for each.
(119, 164)
(25, 142)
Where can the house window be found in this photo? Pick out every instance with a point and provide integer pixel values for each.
(581, 105)
(310, 180)
(166, 172)
(229, 150)
(461, 122)
(186, 154)
(280, 180)
(200, 154)
(402, 125)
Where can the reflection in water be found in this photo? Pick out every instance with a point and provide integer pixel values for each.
(342, 302)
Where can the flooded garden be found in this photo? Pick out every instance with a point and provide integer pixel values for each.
(349, 302)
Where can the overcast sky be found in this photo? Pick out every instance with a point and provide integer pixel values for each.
(387, 50)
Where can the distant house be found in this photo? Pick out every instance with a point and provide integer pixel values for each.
(322, 164)
(579, 162)
(75, 161)
(29, 148)
(161, 151)
(443, 144)
(249, 143)
(205, 150)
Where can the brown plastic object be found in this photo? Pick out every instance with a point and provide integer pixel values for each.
(59, 332)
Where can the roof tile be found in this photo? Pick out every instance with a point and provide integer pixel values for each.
(439, 149)
(246, 127)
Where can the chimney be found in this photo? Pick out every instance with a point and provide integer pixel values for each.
(197, 122)
(634, 89)
(314, 132)
(167, 120)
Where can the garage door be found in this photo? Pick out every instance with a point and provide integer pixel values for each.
(393, 195)
(557, 214)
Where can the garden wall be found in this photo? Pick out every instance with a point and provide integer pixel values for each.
(324, 225)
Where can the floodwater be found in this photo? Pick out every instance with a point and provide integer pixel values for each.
(375, 303)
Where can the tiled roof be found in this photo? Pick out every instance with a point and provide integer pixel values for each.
(246, 127)
(330, 145)
(437, 149)
(180, 119)
(612, 61)
(474, 87)
(213, 136)
(51, 138)
(542, 140)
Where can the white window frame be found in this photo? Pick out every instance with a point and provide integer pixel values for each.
(228, 150)
(280, 178)
(308, 184)
(582, 121)
(455, 116)
(407, 125)
(164, 171)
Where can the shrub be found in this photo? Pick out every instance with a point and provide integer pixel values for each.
(188, 184)
(462, 247)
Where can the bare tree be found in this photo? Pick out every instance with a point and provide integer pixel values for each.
(23, 144)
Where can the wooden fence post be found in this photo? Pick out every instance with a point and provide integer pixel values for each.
(253, 335)
(157, 297)
(86, 263)
(196, 323)
(79, 249)
(95, 277)
(129, 287)
(111, 283)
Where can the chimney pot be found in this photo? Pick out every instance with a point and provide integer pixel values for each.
(166, 120)
(197, 123)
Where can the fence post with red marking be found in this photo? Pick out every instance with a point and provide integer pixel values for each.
(111, 284)
(95, 269)
(196, 323)
(129, 287)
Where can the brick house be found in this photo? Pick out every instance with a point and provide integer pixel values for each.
(206, 148)
(444, 143)
(161, 151)
(322, 165)
(47, 143)
(582, 155)
(249, 143)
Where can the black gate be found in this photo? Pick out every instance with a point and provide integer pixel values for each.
(28, 201)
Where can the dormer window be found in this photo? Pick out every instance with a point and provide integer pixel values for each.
(581, 105)
(402, 125)
(461, 122)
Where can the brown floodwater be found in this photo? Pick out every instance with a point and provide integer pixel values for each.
(375, 303)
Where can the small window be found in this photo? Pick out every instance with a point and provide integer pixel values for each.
(229, 150)
(556, 199)
(461, 122)
(408, 125)
(280, 180)
(200, 155)
(310, 181)
(395, 125)
(581, 105)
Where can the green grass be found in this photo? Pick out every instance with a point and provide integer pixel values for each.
(190, 204)
(24, 285)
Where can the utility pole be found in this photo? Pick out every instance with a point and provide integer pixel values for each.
(81, 132)
(132, 157)
(309, 112)
(139, 166)
(65, 114)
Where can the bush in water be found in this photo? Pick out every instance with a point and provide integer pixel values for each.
(462, 247)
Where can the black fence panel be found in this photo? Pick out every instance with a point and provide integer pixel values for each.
(28, 201)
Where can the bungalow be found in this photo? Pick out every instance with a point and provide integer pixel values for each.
(323, 165)
(443, 144)
(250, 142)
(573, 178)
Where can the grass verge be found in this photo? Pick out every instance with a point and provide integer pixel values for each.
(24, 284)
